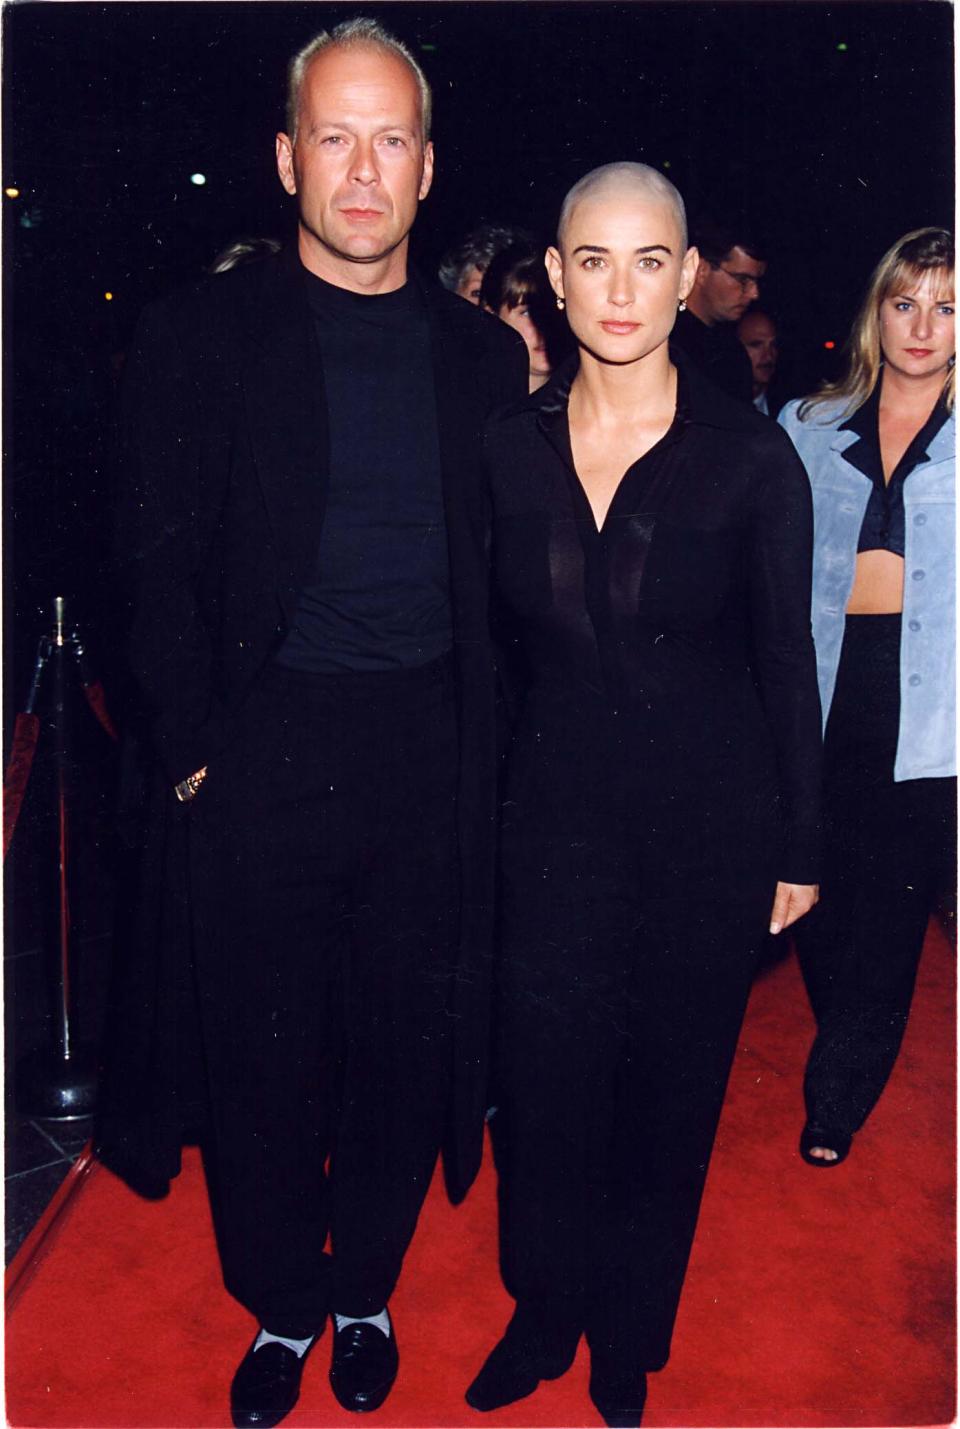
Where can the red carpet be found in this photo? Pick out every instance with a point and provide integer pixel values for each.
(814, 1297)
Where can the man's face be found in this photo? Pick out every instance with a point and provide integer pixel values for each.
(759, 337)
(359, 165)
(469, 284)
(727, 290)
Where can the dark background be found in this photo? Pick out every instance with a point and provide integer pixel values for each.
(108, 109)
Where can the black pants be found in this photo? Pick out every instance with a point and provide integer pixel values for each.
(323, 864)
(887, 848)
(618, 1021)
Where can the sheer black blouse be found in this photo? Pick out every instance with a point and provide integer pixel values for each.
(686, 615)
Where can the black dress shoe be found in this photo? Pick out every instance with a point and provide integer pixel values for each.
(364, 1366)
(266, 1385)
(535, 1346)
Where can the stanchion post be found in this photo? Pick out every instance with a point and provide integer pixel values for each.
(59, 1083)
(39, 665)
(60, 717)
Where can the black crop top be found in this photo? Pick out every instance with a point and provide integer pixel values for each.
(883, 527)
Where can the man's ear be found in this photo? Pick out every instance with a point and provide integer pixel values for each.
(285, 163)
(427, 178)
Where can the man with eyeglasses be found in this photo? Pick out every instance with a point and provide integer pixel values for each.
(727, 282)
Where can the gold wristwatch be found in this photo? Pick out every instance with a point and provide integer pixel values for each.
(188, 787)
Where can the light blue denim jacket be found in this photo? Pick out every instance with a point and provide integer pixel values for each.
(926, 747)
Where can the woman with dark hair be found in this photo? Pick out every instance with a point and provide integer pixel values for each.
(516, 289)
(651, 558)
(462, 267)
(879, 447)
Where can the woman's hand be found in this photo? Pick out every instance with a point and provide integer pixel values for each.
(790, 902)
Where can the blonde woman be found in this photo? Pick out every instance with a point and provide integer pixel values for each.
(879, 448)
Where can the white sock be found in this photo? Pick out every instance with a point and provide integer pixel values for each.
(380, 1322)
(299, 1347)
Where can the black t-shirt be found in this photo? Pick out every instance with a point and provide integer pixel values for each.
(379, 597)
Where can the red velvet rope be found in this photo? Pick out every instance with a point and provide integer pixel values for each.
(25, 732)
(98, 703)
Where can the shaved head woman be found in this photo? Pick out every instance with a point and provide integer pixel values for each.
(651, 558)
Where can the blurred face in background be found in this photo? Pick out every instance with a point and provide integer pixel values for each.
(917, 326)
(725, 290)
(469, 284)
(759, 336)
(521, 320)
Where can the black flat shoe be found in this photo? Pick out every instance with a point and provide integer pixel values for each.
(618, 1381)
(364, 1366)
(619, 1403)
(813, 1135)
(266, 1385)
(621, 1418)
(532, 1349)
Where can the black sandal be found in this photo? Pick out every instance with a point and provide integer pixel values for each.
(813, 1135)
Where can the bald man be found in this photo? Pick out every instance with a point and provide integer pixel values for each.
(304, 530)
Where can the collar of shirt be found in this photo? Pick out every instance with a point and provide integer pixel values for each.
(699, 402)
(865, 454)
(327, 300)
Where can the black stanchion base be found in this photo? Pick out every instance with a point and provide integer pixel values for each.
(55, 1088)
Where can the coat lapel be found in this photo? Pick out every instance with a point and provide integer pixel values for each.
(461, 406)
(286, 418)
(462, 403)
(854, 458)
(944, 444)
(843, 440)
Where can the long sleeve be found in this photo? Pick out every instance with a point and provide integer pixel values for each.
(159, 547)
(780, 566)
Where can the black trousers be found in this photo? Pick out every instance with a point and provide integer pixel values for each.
(618, 1020)
(887, 848)
(324, 878)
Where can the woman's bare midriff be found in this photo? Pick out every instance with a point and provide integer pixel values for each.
(877, 584)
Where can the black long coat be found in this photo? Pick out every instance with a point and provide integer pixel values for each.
(223, 464)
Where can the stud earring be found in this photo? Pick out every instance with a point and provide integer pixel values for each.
(682, 306)
(561, 304)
